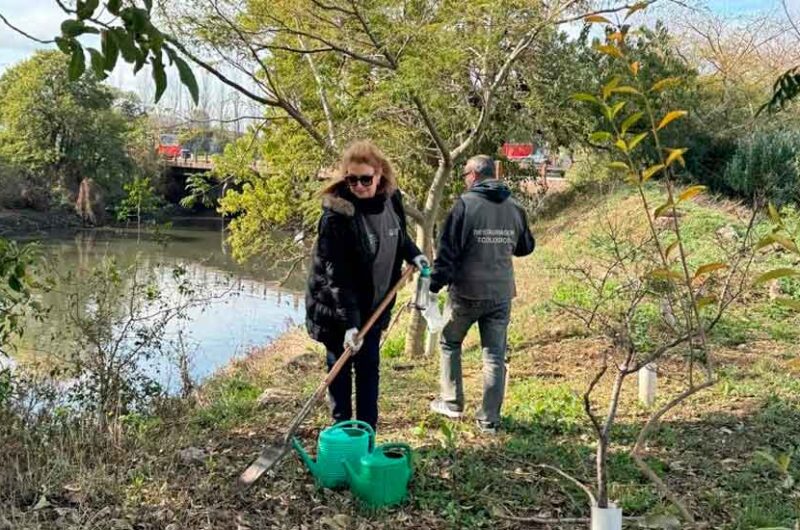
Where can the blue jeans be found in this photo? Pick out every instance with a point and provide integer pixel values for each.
(492, 317)
(365, 363)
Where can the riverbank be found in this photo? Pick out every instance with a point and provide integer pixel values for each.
(176, 469)
(32, 223)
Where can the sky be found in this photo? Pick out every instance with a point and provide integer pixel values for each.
(42, 19)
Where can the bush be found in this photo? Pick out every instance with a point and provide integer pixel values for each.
(766, 162)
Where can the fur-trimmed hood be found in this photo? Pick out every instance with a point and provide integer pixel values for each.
(334, 202)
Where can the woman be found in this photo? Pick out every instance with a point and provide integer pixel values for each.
(361, 244)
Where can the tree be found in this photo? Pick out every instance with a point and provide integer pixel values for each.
(60, 130)
(424, 80)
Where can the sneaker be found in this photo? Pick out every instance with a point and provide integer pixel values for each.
(487, 427)
(442, 407)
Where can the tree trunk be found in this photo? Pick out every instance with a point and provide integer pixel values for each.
(415, 336)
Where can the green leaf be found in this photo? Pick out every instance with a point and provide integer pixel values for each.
(636, 139)
(159, 76)
(625, 90)
(774, 215)
(649, 172)
(126, 45)
(114, 6)
(14, 283)
(72, 28)
(85, 8)
(77, 64)
(709, 268)
(616, 108)
(670, 117)
(608, 87)
(690, 192)
(187, 78)
(781, 240)
(588, 98)
(601, 136)
(661, 209)
(108, 45)
(630, 121)
(704, 301)
(64, 44)
(619, 165)
(98, 63)
(776, 274)
(676, 154)
(621, 145)
(665, 83)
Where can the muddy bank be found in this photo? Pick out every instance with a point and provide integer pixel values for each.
(32, 223)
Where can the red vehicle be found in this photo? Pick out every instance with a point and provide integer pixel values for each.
(517, 151)
(168, 146)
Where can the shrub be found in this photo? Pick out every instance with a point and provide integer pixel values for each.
(766, 162)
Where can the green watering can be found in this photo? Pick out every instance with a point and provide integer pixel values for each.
(347, 441)
(381, 477)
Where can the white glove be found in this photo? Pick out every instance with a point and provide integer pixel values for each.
(421, 262)
(350, 340)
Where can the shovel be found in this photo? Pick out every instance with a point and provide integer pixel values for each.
(272, 454)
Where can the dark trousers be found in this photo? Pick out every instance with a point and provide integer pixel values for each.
(365, 363)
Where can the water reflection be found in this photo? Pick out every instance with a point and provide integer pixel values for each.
(246, 308)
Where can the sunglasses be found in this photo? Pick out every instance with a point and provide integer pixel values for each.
(364, 180)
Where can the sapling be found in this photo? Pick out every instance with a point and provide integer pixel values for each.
(645, 291)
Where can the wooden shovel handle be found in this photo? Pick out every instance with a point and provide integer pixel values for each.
(347, 353)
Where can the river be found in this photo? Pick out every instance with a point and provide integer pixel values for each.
(244, 308)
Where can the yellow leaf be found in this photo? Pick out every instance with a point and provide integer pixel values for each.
(616, 36)
(709, 268)
(610, 50)
(652, 170)
(597, 18)
(619, 165)
(672, 246)
(636, 7)
(616, 108)
(775, 274)
(664, 84)
(665, 274)
(621, 145)
(582, 96)
(634, 67)
(676, 154)
(670, 117)
(690, 192)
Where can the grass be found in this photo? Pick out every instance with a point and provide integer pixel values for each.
(705, 451)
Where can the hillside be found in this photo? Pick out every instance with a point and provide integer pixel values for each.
(177, 470)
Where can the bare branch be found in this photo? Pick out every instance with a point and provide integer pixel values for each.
(23, 33)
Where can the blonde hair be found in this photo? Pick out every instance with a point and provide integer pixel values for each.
(364, 152)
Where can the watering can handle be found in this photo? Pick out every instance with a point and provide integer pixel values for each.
(399, 445)
(362, 424)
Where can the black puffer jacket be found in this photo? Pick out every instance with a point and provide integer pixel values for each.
(339, 293)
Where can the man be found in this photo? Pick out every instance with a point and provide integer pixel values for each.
(484, 229)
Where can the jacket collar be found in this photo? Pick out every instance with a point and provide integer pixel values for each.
(340, 205)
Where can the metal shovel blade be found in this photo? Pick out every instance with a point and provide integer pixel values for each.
(269, 457)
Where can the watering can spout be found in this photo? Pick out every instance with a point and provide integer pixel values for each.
(310, 464)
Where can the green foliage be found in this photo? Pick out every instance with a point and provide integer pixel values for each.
(140, 200)
(232, 401)
(538, 405)
(131, 35)
(17, 283)
(786, 89)
(61, 131)
(766, 164)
